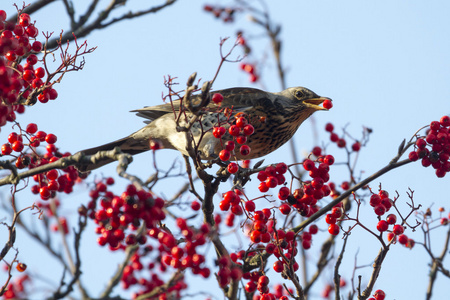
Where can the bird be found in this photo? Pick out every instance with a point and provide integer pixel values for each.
(275, 118)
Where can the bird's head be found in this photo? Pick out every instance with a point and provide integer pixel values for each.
(309, 100)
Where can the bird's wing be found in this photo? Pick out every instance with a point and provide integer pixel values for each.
(240, 99)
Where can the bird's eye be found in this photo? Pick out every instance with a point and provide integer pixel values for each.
(299, 94)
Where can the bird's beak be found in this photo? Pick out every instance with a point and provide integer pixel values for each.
(314, 103)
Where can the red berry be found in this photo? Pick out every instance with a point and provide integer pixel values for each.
(313, 229)
(379, 295)
(391, 219)
(374, 200)
(283, 193)
(2, 15)
(445, 121)
(341, 143)
(218, 132)
(245, 150)
(32, 31)
(285, 209)
(229, 145)
(217, 98)
(195, 205)
(44, 192)
(234, 130)
(382, 225)
(6, 149)
(250, 206)
(308, 165)
(28, 75)
(356, 146)
(379, 210)
(52, 94)
(24, 19)
(248, 129)
(278, 266)
(233, 168)
(402, 239)
(36, 46)
(242, 139)
(327, 104)
(333, 229)
(224, 155)
(39, 72)
(271, 181)
(241, 122)
(329, 127)
(263, 187)
(17, 146)
(330, 219)
(329, 160)
(413, 156)
(31, 128)
(398, 229)
(50, 138)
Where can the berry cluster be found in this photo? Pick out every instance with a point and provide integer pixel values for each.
(170, 253)
(18, 41)
(381, 204)
(250, 69)
(16, 289)
(226, 14)
(239, 130)
(434, 149)
(334, 137)
(22, 146)
(228, 271)
(332, 218)
(117, 213)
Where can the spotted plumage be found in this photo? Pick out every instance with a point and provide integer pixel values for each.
(275, 117)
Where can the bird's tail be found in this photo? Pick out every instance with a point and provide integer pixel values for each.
(127, 144)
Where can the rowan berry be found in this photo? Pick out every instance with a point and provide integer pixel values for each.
(285, 208)
(39, 72)
(233, 130)
(329, 127)
(341, 143)
(330, 219)
(333, 229)
(445, 121)
(241, 122)
(233, 167)
(241, 139)
(17, 146)
(356, 146)
(327, 104)
(398, 229)
(391, 219)
(218, 132)
(283, 193)
(245, 150)
(278, 266)
(379, 210)
(263, 187)
(21, 267)
(382, 225)
(313, 229)
(6, 149)
(229, 145)
(224, 155)
(217, 98)
(308, 165)
(248, 129)
(328, 159)
(379, 295)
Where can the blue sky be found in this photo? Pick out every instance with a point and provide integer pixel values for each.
(385, 64)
